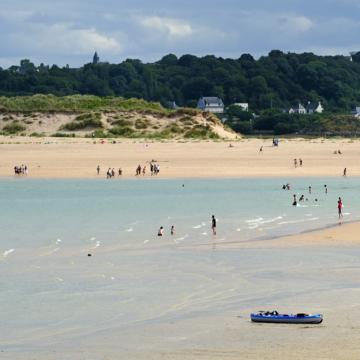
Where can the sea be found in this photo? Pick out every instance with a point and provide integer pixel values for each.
(81, 262)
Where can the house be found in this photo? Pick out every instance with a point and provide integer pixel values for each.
(211, 104)
(356, 112)
(243, 106)
(297, 109)
(172, 105)
(315, 107)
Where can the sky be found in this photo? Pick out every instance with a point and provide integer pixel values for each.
(69, 31)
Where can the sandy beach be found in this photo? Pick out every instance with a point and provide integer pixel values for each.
(78, 158)
(141, 298)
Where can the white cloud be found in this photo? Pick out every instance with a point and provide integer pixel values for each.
(62, 38)
(15, 15)
(172, 27)
(295, 23)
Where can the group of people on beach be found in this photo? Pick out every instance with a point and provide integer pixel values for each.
(20, 170)
(154, 169)
(111, 172)
(296, 163)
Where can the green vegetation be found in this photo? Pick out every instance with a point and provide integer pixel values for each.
(280, 79)
(272, 122)
(74, 103)
(13, 128)
(84, 121)
(200, 132)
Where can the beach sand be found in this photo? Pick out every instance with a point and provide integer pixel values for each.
(229, 334)
(79, 157)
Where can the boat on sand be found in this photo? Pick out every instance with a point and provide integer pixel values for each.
(275, 317)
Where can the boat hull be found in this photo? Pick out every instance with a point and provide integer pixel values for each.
(287, 319)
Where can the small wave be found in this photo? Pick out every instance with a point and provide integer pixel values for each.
(238, 230)
(93, 239)
(182, 238)
(254, 220)
(58, 241)
(146, 241)
(297, 221)
(196, 227)
(270, 220)
(204, 233)
(8, 252)
(98, 243)
(129, 230)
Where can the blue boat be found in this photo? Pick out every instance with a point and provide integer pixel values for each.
(275, 317)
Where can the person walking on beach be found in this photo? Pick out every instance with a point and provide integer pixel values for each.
(344, 172)
(120, 172)
(295, 163)
(213, 224)
(300, 162)
(340, 206)
(261, 150)
(98, 169)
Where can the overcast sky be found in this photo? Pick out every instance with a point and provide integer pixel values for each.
(69, 31)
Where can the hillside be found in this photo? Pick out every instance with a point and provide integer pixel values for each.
(276, 80)
(91, 116)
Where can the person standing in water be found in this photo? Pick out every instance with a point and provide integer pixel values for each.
(309, 189)
(345, 171)
(161, 231)
(295, 201)
(98, 169)
(340, 206)
(213, 224)
(326, 189)
(172, 230)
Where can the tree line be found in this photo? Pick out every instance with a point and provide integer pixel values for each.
(276, 81)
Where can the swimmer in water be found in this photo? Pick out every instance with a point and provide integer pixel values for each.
(161, 231)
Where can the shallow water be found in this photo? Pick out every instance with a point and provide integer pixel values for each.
(40, 212)
(54, 296)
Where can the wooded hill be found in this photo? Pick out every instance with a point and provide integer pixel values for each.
(277, 80)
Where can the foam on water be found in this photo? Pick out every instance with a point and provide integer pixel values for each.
(6, 253)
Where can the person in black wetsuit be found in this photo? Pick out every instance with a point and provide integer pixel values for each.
(213, 224)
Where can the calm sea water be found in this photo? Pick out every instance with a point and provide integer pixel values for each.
(130, 212)
(135, 285)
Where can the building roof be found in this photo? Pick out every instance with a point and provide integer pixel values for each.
(313, 105)
(298, 106)
(212, 100)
